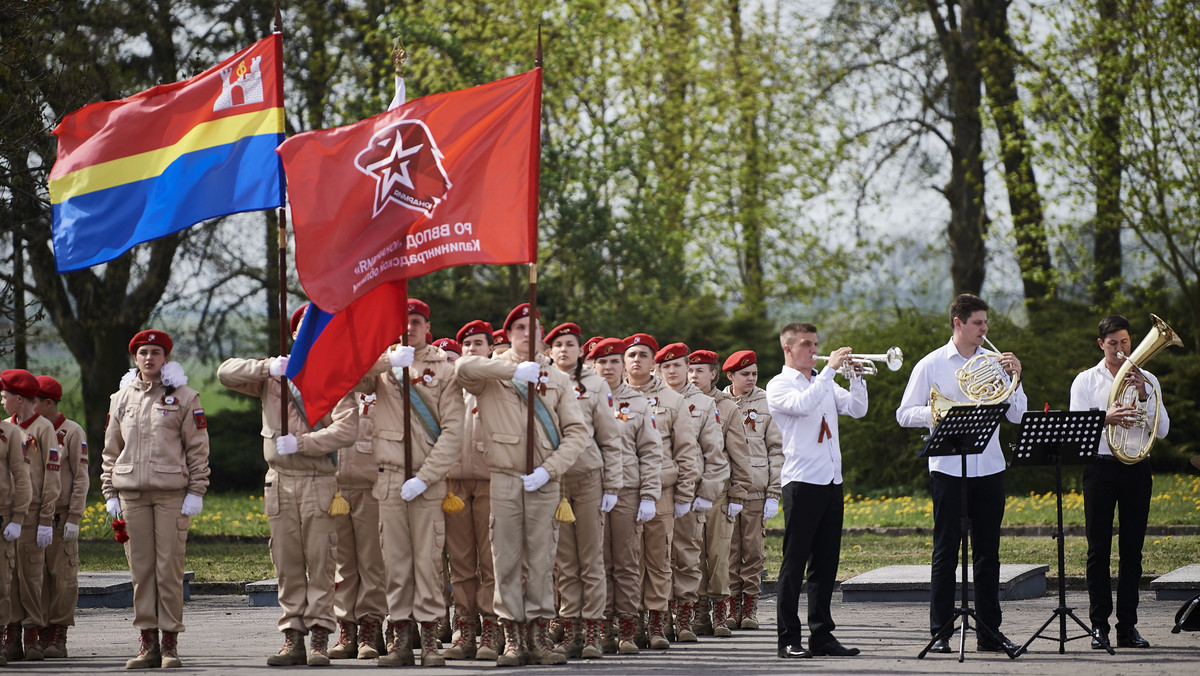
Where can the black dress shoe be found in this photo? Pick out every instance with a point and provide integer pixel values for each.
(793, 651)
(1096, 643)
(832, 648)
(942, 645)
(987, 644)
(1130, 638)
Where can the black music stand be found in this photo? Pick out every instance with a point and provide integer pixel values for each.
(965, 430)
(1055, 438)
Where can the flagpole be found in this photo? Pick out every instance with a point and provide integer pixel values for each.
(537, 60)
(283, 314)
(398, 58)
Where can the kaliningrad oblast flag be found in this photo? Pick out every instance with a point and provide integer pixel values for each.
(162, 160)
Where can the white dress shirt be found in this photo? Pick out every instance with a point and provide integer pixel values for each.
(1090, 391)
(937, 368)
(811, 452)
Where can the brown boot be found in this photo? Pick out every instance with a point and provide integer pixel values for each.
(720, 615)
(683, 622)
(12, 642)
(170, 650)
(33, 646)
(735, 612)
(669, 621)
(318, 655)
(571, 643)
(370, 639)
(54, 641)
(347, 643)
(749, 612)
(591, 640)
(399, 651)
(491, 639)
(541, 650)
(626, 628)
(445, 629)
(641, 638)
(292, 651)
(702, 624)
(658, 639)
(510, 656)
(464, 645)
(429, 643)
(557, 629)
(608, 639)
(149, 655)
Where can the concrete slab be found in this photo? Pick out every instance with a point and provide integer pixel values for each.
(911, 583)
(1180, 584)
(263, 594)
(114, 589)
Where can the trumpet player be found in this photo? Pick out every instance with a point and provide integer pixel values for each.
(985, 473)
(1108, 484)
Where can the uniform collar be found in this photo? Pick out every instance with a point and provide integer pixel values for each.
(25, 425)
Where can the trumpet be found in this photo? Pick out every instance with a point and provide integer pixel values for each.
(864, 364)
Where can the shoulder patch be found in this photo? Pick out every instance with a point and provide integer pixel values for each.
(718, 415)
(201, 421)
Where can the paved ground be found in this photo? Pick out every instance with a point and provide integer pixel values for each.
(227, 636)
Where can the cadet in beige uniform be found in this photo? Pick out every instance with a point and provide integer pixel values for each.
(60, 590)
(755, 484)
(641, 486)
(524, 498)
(298, 489)
(591, 486)
(410, 490)
(20, 390)
(15, 493)
(681, 473)
(155, 473)
(470, 551)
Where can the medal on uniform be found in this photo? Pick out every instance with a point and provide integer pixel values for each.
(169, 400)
(542, 380)
(751, 416)
(623, 411)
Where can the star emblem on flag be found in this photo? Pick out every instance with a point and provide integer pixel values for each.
(406, 165)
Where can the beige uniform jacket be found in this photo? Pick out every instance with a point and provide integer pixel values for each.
(357, 468)
(154, 440)
(16, 489)
(315, 449)
(604, 451)
(765, 449)
(641, 444)
(432, 377)
(711, 426)
(502, 415)
(41, 452)
(682, 466)
(472, 460)
(72, 453)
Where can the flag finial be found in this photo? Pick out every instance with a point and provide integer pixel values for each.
(399, 56)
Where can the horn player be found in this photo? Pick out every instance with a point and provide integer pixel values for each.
(1109, 485)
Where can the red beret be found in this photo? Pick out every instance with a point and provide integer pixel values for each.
(151, 337)
(19, 381)
(519, 311)
(567, 329)
(297, 315)
(607, 346)
(500, 336)
(672, 351)
(473, 328)
(642, 339)
(49, 388)
(703, 357)
(448, 344)
(739, 360)
(591, 344)
(418, 307)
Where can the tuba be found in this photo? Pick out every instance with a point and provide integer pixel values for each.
(1132, 444)
(982, 380)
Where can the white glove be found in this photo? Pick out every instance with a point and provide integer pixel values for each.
(12, 531)
(114, 507)
(770, 509)
(536, 479)
(70, 532)
(192, 504)
(402, 356)
(733, 509)
(278, 366)
(701, 505)
(528, 371)
(646, 510)
(682, 508)
(412, 488)
(607, 502)
(286, 445)
(45, 536)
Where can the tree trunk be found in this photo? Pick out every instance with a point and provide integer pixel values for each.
(20, 321)
(749, 211)
(1106, 148)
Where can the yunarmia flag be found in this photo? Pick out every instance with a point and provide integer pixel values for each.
(447, 179)
(164, 159)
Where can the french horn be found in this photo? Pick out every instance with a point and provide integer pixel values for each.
(982, 381)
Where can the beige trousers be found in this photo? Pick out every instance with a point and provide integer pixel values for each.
(359, 579)
(303, 546)
(656, 553)
(714, 558)
(472, 580)
(580, 561)
(686, 545)
(524, 539)
(8, 563)
(623, 556)
(155, 551)
(413, 536)
(746, 554)
(60, 587)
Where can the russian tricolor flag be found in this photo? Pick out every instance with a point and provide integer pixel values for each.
(150, 165)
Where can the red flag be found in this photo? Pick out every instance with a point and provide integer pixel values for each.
(447, 179)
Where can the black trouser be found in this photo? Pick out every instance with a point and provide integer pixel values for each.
(812, 538)
(985, 507)
(1111, 486)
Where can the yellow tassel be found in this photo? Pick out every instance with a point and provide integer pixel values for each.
(452, 504)
(564, 513)
(339, 506)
